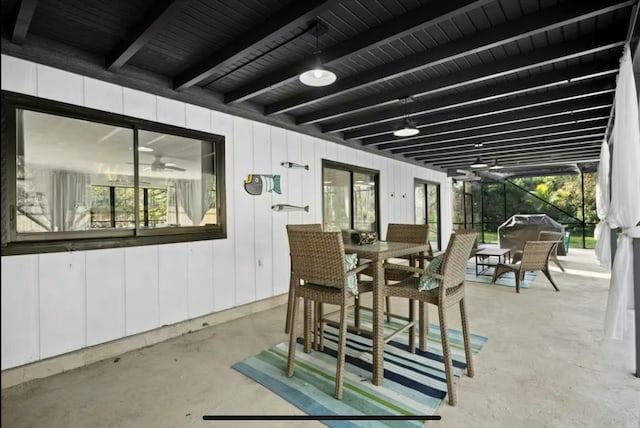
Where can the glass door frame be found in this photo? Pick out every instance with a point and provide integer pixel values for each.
(424, 183)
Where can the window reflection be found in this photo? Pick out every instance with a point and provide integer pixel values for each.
(77, 175)
(350, 199)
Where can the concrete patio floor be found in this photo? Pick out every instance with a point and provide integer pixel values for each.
(546, 364)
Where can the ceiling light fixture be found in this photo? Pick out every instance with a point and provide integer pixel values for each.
(144, 149)
(478, 163)
(496, 165)
(318, 75)
(408, 127)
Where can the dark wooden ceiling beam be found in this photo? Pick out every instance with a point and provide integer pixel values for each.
(559, 130)
(579, 96)
(484, 126)
(24, 15)
(155, 19)
(536, 58)
(278, 25)
(566, 154)
(500, 149)
(381, 121)
(423, 17)
(547, 20)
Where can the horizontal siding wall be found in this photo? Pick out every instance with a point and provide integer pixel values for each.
(61, 302)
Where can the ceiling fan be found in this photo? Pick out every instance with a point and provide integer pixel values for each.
(158, 165)
(474, 175)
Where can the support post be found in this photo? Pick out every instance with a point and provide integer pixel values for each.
(584, 229)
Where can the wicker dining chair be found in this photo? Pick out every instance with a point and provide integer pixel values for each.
(314, 227)
(450, 290)
(544, 235)
(535, 257)
(399, 232)
(320, 275)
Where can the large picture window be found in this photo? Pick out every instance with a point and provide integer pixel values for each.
(350, 197)
(76, 176)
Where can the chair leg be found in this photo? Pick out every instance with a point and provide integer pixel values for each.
(557, 262)
(446, 355)
(412, 329)
(287, 326)
(465, 336)
(342, 345)
(423, 325)
(307, 325)
(518, 276)
(388, 303)
(320, 326)
(292, 338)
(356, 314)
(548, 275)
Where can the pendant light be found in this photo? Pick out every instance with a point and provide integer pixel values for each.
(478, 163)
(495, 165)
(408, 127)
(318, 75)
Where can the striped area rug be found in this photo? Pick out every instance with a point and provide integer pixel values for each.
(414, 384)
(507, 280)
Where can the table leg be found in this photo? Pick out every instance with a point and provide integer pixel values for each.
(378, 323)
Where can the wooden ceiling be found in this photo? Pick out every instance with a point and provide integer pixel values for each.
(531, 81)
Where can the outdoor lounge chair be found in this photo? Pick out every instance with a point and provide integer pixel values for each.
(535, 256)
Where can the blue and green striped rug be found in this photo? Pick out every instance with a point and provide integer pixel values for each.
(414, 384)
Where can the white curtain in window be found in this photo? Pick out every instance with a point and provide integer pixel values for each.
(71, 196)
(602, 232)
(195, 197)
(624, 211)
(65, 198)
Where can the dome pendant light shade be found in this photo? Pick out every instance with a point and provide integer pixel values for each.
(495, 165)
(318, 76)
(408, 129)
(478, 163)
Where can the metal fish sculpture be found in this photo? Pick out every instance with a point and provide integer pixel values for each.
(255, 184)
(294, 165)
(287, 208)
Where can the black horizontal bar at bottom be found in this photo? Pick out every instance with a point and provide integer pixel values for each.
(320, 418)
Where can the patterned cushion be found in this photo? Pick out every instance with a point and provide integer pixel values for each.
(352, 282)
(427, 282)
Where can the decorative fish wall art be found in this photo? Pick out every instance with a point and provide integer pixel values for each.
(294, 165)
(255, 184)
(288, 208)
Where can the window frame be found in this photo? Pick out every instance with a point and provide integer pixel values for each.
(351, 169)
(44, 242)
(424, 184)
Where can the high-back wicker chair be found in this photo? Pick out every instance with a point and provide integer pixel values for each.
(450, 291)
(314, 227)
(535, 256)
(399, 232)
(544, 235)
(319, 258)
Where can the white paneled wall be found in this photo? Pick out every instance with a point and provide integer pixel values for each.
(60, 302)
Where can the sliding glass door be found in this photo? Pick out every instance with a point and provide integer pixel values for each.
(350, 197)
(427, 209)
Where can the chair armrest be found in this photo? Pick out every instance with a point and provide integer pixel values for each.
(405, 268)
(358, 269)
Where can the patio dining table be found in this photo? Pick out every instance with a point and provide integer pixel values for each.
(378, 252)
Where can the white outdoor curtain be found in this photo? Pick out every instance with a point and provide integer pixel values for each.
(624, 211)
(602, 232)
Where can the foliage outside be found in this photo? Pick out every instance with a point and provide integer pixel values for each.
(560, 197)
